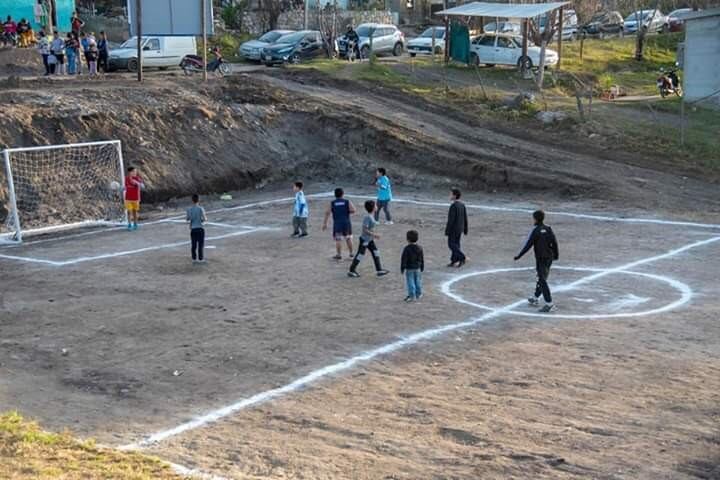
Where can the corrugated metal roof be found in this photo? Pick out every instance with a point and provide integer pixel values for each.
(712, 12)
(506, 10)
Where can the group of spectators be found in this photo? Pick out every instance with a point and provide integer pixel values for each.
(61, 56)
(66, 56)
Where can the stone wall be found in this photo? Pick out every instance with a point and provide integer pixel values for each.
(293, 20)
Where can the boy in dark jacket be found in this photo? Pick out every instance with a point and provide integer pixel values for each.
(412, 264)
(457, 226)
(542, 241)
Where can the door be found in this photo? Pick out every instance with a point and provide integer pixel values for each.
(485, 49)
(152, 54)
(311, 46)
(506, 52)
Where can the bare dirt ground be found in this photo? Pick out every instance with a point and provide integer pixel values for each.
(153, 341)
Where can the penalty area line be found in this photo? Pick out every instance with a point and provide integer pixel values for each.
(386, 349)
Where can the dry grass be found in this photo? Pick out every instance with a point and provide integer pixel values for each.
(28, 452)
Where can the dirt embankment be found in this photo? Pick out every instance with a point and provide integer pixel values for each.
(248, 131)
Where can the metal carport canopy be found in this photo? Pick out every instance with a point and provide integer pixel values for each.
(506, 10)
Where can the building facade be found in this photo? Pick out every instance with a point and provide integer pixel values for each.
(701, 57)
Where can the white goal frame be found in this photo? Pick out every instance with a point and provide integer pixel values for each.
(16, 237)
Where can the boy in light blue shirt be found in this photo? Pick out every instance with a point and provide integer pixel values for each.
(300, 212)
(384, 195)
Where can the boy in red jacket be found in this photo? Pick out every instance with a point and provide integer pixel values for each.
(133, 185)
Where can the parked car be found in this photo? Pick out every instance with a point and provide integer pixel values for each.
(603, 24)
(513, 28)
(250, 50)
(386, 38)
(570, 25)
(423, 44)
(492, 50)
(293, 48)
(159, 52)
(675, 20)
(653, 20)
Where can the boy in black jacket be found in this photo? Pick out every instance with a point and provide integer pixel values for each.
(412, 265)
(457, 226)
(542, 241)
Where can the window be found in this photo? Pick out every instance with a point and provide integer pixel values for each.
(486, 41)
(504, 42)
(153, 44)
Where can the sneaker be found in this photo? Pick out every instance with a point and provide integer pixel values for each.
(389, 222)
(382, 273)
(461, 263)
(353, 274)
(135, 226)
(533, 301)
(129, 227)
(451, 264)
(408, 299)
(303, 235)
(351, 257)
(419, 297)
(547, 308)
(337, 257)
(295, 235)
(202, 261)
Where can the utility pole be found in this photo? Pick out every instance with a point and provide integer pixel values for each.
(203, 5)
(306, 15)
(138, 32)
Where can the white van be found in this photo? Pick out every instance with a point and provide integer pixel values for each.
(158, 52)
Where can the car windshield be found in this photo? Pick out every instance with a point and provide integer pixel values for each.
(599, 17)
(270, 37)
(130, 43)
(439, 33)
(679, 11)
(291, 38)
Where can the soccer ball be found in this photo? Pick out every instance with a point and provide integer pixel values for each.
(114, 186)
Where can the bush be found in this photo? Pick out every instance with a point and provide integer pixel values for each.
(232, 15)
(606, 81)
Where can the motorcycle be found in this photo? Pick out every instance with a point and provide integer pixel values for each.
(194, 63)
(669, 83)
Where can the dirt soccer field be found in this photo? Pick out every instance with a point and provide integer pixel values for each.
(268, 362)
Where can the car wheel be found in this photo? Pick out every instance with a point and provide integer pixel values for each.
(573, 36)
(365, 52)
(132, 65)
(398, 49)
(295, 59)
(524, 63)
(474, 59)
(162, 69)
(601, 35)
(438, 51)
(412, 55)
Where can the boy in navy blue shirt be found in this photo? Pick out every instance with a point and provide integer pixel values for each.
(340, 209)
(542, 240)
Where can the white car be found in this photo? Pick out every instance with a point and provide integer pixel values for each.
(507, 50)
(422, 45)
(160, 52)
(250, 50)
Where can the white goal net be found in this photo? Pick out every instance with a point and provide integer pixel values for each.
(57, 187)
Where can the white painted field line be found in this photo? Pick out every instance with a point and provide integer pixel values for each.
(156, 247)
(32, 260)
(349, 363)
(587, 216)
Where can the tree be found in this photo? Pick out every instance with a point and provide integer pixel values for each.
(542, 38)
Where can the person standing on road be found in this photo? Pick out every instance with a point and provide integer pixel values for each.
(57, 47)
(542, 240)
(457, 226)
(384, 195)
(43, 47)
(10, 32)
(300, 212)
(85, 47)
(71, 50)
(103, 52)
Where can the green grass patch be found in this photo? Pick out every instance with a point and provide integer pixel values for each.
(328, 66)
(228, 43)
(612, 61)
(28, 452)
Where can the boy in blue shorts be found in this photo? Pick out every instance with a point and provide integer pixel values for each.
(340, 209)
(367, 242)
